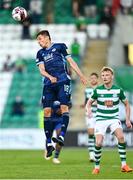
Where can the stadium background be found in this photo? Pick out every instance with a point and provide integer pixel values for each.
(103, 30)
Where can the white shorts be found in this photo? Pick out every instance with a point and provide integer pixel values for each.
(90, 122)
(112, 124)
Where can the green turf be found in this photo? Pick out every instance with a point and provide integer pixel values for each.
(74, 165)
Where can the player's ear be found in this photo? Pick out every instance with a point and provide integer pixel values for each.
(112, 76)
(47, 37)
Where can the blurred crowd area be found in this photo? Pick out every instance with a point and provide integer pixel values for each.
(79, 12)
(94, 17)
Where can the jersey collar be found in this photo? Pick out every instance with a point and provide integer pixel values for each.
(108, 88)
(50, 46)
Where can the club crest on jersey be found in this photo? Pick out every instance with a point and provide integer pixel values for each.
(53, 50)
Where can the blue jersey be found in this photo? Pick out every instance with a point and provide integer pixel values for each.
(54, 60)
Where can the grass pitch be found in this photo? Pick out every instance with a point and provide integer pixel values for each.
(74, 165)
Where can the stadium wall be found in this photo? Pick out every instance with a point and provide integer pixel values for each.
(35, 139)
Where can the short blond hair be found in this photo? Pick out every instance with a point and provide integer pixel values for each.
(106, 68)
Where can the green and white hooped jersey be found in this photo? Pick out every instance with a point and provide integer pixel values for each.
(108, 102)
(88, 93)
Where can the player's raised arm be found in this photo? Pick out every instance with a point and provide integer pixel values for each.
(45, 74)
(77, 70)
(127, 106)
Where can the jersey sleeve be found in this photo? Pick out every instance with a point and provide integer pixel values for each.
(122, 95)
(64, 51)
(39, 59)
(94, 94)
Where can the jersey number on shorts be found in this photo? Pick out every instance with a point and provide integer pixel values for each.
(67, 89)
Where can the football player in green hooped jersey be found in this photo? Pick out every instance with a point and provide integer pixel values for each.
(107, 97)
(90, 122)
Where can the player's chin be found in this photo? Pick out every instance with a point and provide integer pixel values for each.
(106, 82)
(42, 45)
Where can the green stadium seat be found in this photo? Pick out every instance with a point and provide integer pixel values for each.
(28, 86)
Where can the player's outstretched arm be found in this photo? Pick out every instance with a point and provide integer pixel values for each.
(75, 67)
(45, 74)
(127, 106)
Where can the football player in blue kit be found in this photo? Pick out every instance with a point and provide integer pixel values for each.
(56, 126)
(51, 60)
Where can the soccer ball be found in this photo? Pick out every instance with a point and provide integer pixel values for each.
(19, 13)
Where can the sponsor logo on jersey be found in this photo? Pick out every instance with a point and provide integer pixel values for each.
(48, 57)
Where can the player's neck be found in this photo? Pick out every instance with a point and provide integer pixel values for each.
(48, 44)
(94, 86)
(108, 85)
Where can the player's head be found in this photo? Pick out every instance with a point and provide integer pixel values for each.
(43, 38)
(107, 75)
(93, 79)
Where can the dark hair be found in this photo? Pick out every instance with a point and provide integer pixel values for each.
(44, 33)
(94, 74)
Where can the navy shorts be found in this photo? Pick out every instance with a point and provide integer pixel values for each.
(60, 92)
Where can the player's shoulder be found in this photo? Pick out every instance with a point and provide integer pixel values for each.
(116, 87)
(60, 45)
(100, 87)
(40, 51)
(88, 89)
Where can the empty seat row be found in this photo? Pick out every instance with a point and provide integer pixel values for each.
(98, 31)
